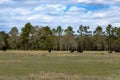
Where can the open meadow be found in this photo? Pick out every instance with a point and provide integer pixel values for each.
(59, 65)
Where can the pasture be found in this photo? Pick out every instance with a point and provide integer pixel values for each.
(59, 65)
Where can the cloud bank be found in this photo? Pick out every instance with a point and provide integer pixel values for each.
(59, 12)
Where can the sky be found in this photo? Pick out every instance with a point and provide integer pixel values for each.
(55, 13)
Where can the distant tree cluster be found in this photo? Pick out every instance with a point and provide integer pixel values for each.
(44, 38)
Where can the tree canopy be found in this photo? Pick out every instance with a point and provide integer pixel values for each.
(44, 38)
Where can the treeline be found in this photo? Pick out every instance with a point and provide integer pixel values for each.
(44, 38)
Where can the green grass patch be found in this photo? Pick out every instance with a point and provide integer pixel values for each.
(35, 64)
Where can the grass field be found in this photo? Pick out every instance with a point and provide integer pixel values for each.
(41, 65)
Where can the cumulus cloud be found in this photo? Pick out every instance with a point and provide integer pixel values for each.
(14, 11)
(50, 8)
(20, 11)
(110, 15)
(44, 18)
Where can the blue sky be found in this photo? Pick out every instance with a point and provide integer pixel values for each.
(59, 12)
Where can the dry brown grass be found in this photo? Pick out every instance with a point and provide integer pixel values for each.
(40, 53)
(59, 76)
(59, 53)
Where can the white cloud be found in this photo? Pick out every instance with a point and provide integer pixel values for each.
(20, 11)
(50, 8)
(76, 11)
(4, 1)
(19, 18)
(34, 17)
(32, 2)
(92, 1)
(14, 11)
(61, 12)
(98, 1)
(75, 8)
(39, 8)
(99, 15)
(44, 18)
(78, 15)
(107, 16)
